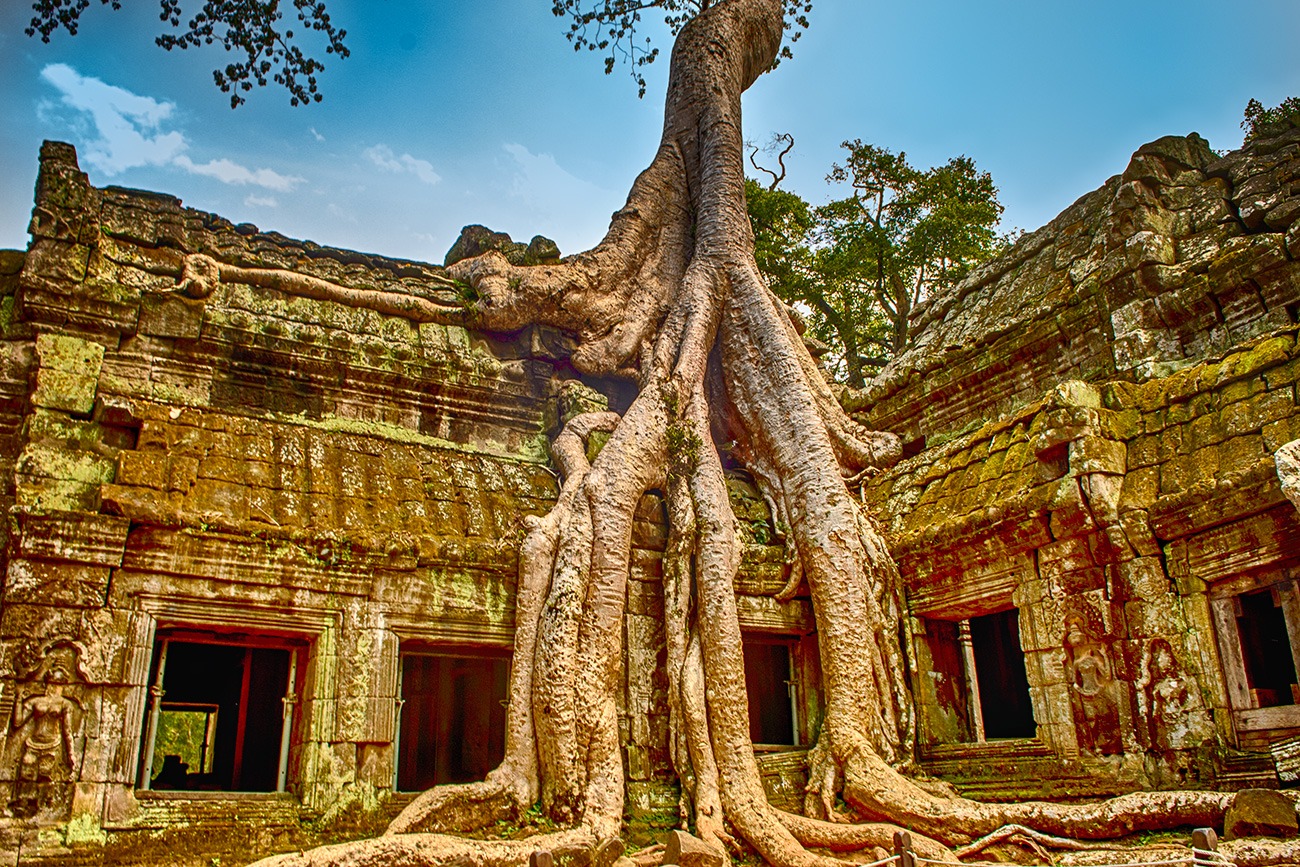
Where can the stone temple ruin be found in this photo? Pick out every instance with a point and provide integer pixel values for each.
(260, 555)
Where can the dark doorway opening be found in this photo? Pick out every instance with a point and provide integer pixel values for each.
(453, 721)
(1266, 649)
(219, 722)
(1000, 676)
(769, 685)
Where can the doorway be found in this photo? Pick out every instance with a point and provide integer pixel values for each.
(453, 717)
(1000, 675)
(770, 688)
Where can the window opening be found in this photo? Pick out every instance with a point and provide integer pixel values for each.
(770, 688)
(1266, 649)
(183, 743)
(1001, 699)
(453, 718)
(220, 717)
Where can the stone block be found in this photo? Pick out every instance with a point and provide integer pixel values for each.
(182, 472)
(142, 469)
(73, 536)
(46, 460)
(1139, 488)
(68, 373)
(168, 314)
(1070, 513)
(687, 850)
(1143, 578)
(1151, 619)
(1082, 580)
(1280, 432)
(40, 494)
(1239, 455)
(1260, 813)
(1136, 524)
(42, 582)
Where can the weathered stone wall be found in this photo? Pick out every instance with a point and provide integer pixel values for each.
(1119, 516)
(1184, 255)
(249, 463)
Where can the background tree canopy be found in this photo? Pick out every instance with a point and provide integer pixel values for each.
(270, 48)
(255, 29)
(609, 28)
(862, 264)
(1261, 121)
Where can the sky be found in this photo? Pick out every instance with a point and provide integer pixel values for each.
(450, 113)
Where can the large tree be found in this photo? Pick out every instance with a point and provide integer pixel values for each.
(905, 233)
(673, 301)
(860, 266)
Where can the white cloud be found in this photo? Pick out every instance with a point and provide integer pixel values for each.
(339, 213)
(128, 133)
(382, 155)
(256, 201)
(127, 125)
(233, 173)
(315, 134)
(541, 179)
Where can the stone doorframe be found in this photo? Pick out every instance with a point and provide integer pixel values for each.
(317, 626)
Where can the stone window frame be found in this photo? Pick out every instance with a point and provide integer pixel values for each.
(957, 601)
(421, 646)
(765, 619)
(1246, 715)
(974, 710)
(317, 627)
(796, 685)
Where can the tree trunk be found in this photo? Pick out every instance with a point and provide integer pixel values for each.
(672, 299)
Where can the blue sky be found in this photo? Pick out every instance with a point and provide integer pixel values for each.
(451, 113)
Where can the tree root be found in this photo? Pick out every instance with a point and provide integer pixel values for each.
(1260, 852)
(424, 850)
(1015, 833)
(881, 793)
(851, 837)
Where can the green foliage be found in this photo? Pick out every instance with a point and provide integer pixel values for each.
(683, 449)
(1261, 122)
(531, 822)
(253, 27)
(610, 28)
(184, 733)
(860, 266)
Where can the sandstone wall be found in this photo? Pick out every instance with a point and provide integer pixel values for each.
(252, 463)
(1184, 255)
(1122, 517)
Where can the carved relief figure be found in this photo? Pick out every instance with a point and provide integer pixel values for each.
(1092, 683)
(1166, 698)
(46, 720)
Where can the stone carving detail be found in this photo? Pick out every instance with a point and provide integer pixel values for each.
(1166, 699)
(1091, 676)
(1173, 721)
(43, 731)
